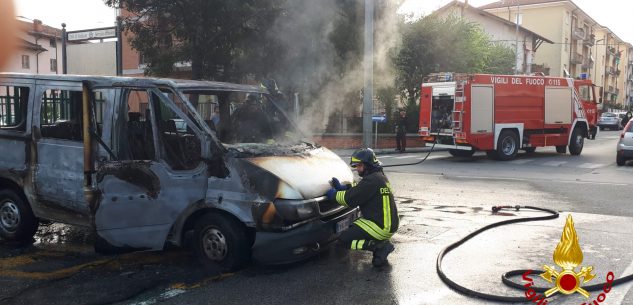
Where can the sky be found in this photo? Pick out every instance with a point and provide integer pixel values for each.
(614, 14)
(86, 14)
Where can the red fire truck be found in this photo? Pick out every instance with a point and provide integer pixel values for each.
(501, 114)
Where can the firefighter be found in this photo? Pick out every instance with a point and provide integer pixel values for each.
(373, 195)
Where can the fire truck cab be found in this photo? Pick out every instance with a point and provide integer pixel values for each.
(501, 114)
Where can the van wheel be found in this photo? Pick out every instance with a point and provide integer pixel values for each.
(620, 161)
(576, 142)
(220, 242)
(561, 149)
(461, 153)
(508, 145)
(17, 222)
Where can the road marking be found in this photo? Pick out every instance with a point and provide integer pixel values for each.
(522, 161)
(554, 163)
(404, 157)
(591, 165)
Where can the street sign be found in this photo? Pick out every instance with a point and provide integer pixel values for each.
(101, 33)
(379, 118)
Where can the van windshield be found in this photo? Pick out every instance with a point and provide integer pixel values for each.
(240, 118)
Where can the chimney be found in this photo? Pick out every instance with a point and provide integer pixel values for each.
(37, 25)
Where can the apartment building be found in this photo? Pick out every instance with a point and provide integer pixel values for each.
(500, 30)
(39, 49)
(582, 48)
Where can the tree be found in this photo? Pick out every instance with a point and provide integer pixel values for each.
(431, 45)
(212, 34)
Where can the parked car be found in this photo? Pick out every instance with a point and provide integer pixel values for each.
(609, 120)
(148, 171)
(625, 145)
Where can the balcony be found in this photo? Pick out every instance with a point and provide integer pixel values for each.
(580, 33)
(590, 41)
(610, 70)
(612, 51)
(576, 58)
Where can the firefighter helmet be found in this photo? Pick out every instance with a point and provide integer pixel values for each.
(366, 156)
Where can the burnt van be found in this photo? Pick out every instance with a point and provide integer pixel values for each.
(148, 163)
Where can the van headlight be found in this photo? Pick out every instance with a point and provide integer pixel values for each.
(296, 210)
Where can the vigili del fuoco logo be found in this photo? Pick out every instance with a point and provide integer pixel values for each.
(568, 257)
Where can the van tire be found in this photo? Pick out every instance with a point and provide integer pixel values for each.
(221, 242)
(620, 161)
(17, 222)
(507, 145)
(461, 153)
(576, 142)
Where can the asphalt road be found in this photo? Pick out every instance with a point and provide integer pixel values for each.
(439, 201)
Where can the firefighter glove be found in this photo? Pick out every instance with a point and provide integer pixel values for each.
(337, 184)
(331, 194)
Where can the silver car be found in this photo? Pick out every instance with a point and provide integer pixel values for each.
(609, 120)
(625, 145)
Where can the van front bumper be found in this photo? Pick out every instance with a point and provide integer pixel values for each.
(299, 243)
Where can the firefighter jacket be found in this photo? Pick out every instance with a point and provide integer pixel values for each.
(373, 196)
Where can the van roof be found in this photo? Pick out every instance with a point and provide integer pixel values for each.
(122, 81)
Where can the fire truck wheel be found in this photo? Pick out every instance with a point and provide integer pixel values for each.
(561, 149)
(508, 145)
(576, 142)
(461, 153)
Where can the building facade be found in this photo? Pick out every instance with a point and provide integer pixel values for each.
(582, 48)
(39, 49)
(500, 30)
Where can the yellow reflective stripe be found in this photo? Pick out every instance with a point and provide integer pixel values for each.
(340, 198)
(386, 209)
(354, 159)
(354, 244)
(360, 244)
(372, 229)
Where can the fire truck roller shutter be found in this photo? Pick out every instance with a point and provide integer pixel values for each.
(558, 105)
(482, 109)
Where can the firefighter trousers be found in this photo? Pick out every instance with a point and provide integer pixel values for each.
(356, 238)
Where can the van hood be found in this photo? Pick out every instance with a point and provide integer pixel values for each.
(305, 175)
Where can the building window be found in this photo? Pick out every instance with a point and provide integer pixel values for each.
(566, 44)
(25, 62)
(53, 42)
(53, 65)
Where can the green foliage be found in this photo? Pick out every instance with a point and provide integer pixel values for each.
(436, 45)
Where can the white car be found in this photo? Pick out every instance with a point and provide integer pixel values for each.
(625, 145)
(609, 120)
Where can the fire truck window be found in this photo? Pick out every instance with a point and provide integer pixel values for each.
(13, 107)
(585, 93)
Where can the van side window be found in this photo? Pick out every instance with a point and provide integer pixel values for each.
(137, 139)
(13, 107)
(61, 114)
(180, 146)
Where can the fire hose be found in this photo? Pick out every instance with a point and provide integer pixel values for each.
(418, 162)
(506, 276)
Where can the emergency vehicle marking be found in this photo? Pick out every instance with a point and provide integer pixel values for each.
(531, 81)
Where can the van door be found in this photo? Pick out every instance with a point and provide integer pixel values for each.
(58, 175)
(159, 171)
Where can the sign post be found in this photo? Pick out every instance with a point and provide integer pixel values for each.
(379, 118)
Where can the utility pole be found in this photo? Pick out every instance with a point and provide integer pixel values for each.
(64, 39)
(368, 92)
(516, 34)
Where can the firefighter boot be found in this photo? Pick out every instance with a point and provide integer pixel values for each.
(381, 250)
